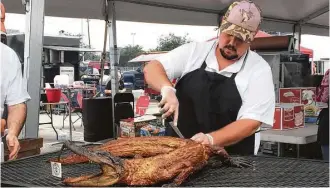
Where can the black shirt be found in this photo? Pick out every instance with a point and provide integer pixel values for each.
(121, 85)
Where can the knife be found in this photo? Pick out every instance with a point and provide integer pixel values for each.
(176, 130)
(169, 120)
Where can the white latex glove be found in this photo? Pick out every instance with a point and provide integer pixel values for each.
(203, 138)
(169, 103)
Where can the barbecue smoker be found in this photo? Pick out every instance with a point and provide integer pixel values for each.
(289, 70)
(265, 172)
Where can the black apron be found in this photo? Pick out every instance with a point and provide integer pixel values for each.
(209, 101)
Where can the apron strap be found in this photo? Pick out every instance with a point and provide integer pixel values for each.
(204, 62)
(242, 67)
(203, 65)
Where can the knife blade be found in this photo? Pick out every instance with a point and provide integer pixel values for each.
(176, 130)
(169, 120)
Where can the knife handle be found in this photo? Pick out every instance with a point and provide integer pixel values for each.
(169, 118)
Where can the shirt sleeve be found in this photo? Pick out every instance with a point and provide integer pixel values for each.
(175, 61)
(17, 91)
(259, 99)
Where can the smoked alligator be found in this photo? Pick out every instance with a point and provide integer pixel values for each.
(130, 147)
(173, 166)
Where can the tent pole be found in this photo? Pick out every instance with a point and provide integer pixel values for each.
(297, 36)
(113, 61)
(33, 50)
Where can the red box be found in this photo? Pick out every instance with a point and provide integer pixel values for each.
(289, 116)
(301, 95)
(290, 95)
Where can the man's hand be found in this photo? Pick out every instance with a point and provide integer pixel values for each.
(16, 118)
(203, 138)
(13, 146)
(3, 125)
(169, 103)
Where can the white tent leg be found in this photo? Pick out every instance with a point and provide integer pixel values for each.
(113, 59)
(297, 36)
(33, 50)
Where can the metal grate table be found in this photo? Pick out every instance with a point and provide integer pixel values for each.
(266, 171)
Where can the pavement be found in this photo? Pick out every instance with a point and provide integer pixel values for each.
(49, 136)
(46, 131)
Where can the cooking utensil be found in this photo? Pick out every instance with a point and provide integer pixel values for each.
(176, 130)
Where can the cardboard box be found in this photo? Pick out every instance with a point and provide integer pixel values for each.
(301, 95)
(289, 116)
(290, 95)
(131, 127)
(29, 147)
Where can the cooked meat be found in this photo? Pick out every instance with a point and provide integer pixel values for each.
(176, 165)
(130, 147)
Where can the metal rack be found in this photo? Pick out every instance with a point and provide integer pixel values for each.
(266, 171)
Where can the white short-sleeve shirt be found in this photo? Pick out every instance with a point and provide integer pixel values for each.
(254, 81)
(13, 85)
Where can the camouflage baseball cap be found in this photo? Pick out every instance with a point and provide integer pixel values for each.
(242, 20)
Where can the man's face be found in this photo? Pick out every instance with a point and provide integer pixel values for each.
(232, 48)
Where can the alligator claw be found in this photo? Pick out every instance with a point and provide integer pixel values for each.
(239, 163)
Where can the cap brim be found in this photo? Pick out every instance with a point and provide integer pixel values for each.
(237, 31)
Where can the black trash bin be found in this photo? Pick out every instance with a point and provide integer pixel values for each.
(97, 118)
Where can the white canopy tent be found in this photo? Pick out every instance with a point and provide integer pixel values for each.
(297, 16)
(279, 15)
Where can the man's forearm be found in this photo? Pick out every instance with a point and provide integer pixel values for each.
(155, 75)
(16, 118)
(235, 132)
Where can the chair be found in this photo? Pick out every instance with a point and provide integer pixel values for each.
(142, 104)
(123, 106)
(76, 107)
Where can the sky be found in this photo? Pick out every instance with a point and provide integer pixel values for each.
(146, 34)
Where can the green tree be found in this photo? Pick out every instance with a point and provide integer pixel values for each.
(171, 41)
(129, 52)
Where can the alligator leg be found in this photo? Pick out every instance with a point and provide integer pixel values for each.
(227, 160)
(184, 174)
(239, 163)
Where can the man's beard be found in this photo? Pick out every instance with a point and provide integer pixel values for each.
(229, 57)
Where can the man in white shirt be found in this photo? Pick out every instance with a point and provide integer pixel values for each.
(225, 91)
(14, 94)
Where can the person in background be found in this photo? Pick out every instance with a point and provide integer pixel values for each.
(225, 91)
(322, 95)
(107, 90)
(14, 94)
(2, 26)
